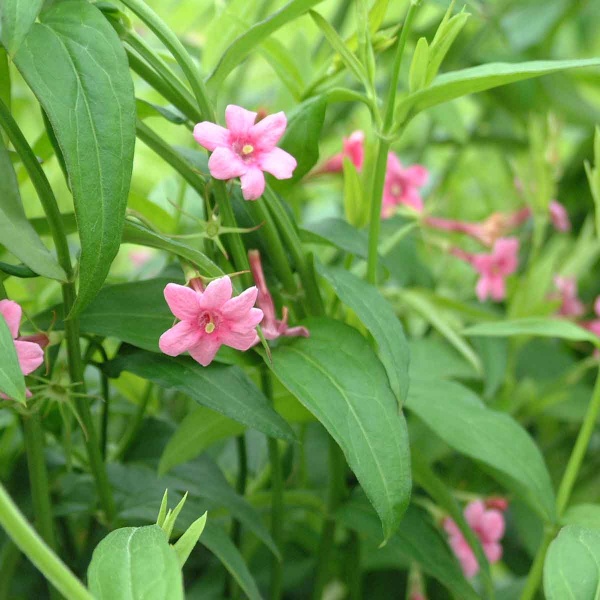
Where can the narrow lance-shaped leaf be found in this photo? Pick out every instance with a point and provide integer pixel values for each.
(349, 393)
(12, 382)
(76, 66)
(16, 233)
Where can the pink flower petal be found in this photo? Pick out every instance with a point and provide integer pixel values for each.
(493, 551)
(491, 526)
(205, 351)
(354, 148)
(474, 512)
(253, 183)
(416, 175)
(210, 135)
(483, 288)
(451, 528)
(11, 312)
(413, 199)
(239, 120)
(30, 355)
(597, 306)
(266, 133)
(183, 301)
(248, 322)
(394, 166)
(216, 294)
(237, 307)
(240, 341)
(277, 162)
(497, 287)
(180, 338)
(226, 164)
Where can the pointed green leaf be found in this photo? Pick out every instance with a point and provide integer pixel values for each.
(418, 66)
(349, 393)
(12, 382)
(16, 19)
(187, 542)
(16, 233)
(355, 207)
(76, 66)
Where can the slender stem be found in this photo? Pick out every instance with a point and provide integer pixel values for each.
(233, 589)
(277, 505)
(9, 561)
(336, 492)
(135, 423)
(38, 552)
(353, 569)
(105, 414)
(180, 54)
(55, 222)
(535, 574)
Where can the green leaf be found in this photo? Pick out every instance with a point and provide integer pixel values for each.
(76, 66)
(225, 389)
(301, 139)
(355, 207)
(135, 563)
(379, 318)
(495, 439)
(245, 43)
(187, 542)
(16, 19)
(147, 110)
(593, 175)
(219, 543)
(16, 233)
(534, 326)
(12, 382)
(586, 515)
(417, 540)
(571, 566)
(349, 393)
(418, 66)
(478, 79)
(282, 62)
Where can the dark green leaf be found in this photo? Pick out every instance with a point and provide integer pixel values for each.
(16, 233)
(379, 318)
(146, 110)
(12, 382)
(16, 18)
(571, 567)
(457, 416)
(245, 43)
(135, 563)
(75, 64)
(225, 389)
(349, 393)
(338, 233)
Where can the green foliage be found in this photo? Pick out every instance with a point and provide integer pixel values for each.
(16, 19)
(12, 382)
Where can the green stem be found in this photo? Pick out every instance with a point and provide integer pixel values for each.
(336, 492)
(135, 424)
(240, 488)
(55, 223)
(384, 147)
(9, 561)
(277, 506)
(38, 552)
(180, 54)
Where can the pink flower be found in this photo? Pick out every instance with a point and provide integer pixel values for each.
(209, 319)
(594, 324)
(246, 149)
(29, 353)
(488, 525)
(571, 305)
(401, 186)
(353, 148)
(493, 268)
(271, 326)
(559, 216)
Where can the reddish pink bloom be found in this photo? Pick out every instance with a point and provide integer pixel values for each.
(209, 319)
(559, 216)
(29, 353)
(401, 185)
(493, 268)
(353, 148)
(496, 502)
(594, 324)
(271, 326)
(571, 305)
(488, 525)
(246, 149)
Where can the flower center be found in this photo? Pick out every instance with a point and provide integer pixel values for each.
(208, 321)
(247, 149)
(244, 150)
(396, 189)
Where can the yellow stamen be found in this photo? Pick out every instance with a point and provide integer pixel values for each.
(247, 149)
(210, 327)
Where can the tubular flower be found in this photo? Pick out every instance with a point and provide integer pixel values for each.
(245, 149)
(493, 268)
(401, 185)
(353, 148)
(209, 319)
(559, 216)
(571, 305)
(271, 326)
(488, 525)
(29, 350)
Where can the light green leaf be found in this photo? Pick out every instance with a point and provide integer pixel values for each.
(187, 542)
(478, 79)
(76, 65)
(349, 393)
(16, 233)
(443, 40)
(355, 207)
(146, 110)
(245, 43)
(16, 19)
(12, 382)
(571, 567)
(135, 563)
(458, 417)
(593, 175)
(418, 66)
(586, 515)
(535, 326)
(379, 318)
(282, 62)
(225, 389)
